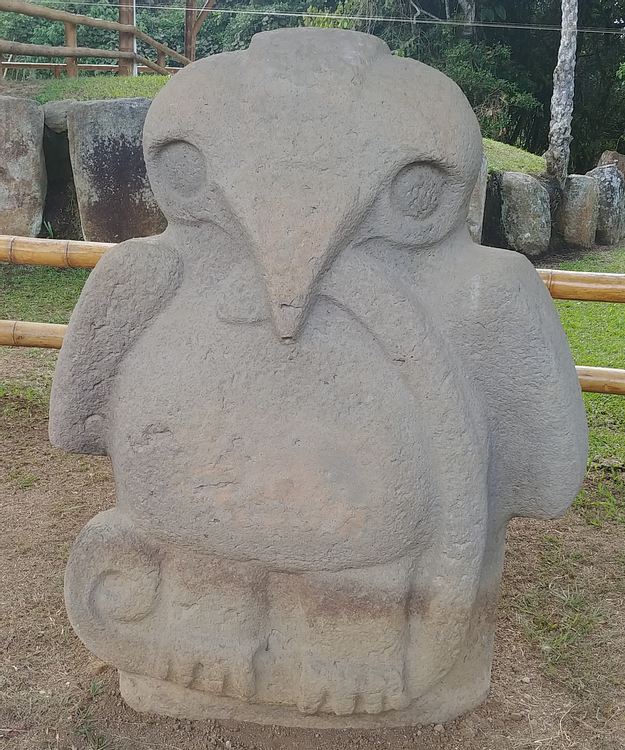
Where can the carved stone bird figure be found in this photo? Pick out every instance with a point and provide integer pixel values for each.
(322, 402)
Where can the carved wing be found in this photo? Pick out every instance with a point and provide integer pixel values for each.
(524, 368)
(130, 285)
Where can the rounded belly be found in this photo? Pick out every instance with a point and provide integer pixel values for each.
(308, 456)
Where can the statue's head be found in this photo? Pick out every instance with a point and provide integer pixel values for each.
(311, 140)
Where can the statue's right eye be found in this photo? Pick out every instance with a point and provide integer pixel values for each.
(417, 190)
(181, 167)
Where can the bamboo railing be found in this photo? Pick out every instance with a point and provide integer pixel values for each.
(71, 51)
(19, 333)
(572, 285)
(60, 253)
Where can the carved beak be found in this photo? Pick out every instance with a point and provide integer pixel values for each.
(295, 238)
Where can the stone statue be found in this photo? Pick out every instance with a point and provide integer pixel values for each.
(321, 400)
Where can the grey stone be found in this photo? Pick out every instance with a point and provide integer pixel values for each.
(322, 401)
(475, 219)
(612, 157)
(579, 211)
(55, 114)
(22, 166)
(525, 213)
(114, 196)
(611, 219)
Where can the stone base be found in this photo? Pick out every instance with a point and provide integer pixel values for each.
(150, 695)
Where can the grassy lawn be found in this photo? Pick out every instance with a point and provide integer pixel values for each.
(502, 157)
(596, 333)
(101, 87)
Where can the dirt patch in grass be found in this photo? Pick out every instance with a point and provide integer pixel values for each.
(558, 674)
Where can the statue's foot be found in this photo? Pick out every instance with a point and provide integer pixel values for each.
(215, 624)
(353, 658)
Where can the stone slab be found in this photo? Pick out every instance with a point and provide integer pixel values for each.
(525, 213)
(22, 166)
(106, 148)
(611, 216)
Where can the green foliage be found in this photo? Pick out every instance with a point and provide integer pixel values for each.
(101, 87)
(332, 19)
(487, 77)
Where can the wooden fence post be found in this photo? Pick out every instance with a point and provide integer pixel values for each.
(160, 58)
(127, 42)
(189, 29)
(71, 40)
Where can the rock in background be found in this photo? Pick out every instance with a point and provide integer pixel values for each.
(612, 157)
(22, 166)
(114, 196)
(611, 220)
(578, 212)
(475, 218)
(525, 213)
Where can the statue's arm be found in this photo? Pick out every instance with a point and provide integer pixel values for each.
(130, 285)
(539, 434)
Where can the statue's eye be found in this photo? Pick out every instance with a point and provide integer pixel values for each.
(417, 190)
(181, 166)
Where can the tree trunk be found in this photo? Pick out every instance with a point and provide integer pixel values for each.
(557, 155)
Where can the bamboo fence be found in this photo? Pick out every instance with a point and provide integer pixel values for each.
(572, 285)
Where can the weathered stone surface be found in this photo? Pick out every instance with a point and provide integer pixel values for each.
(579, 211)
(525, 213)
(22, 167)
(612, 157)
(114, 196)
(55, 114)
(611, 218)
(322, 401)
(475, 219)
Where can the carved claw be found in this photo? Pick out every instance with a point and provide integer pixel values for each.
(344, 687)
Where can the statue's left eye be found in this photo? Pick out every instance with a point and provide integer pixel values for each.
(181, 167)
(417, 190)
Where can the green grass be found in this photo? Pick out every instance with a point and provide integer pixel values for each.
(596, 334)
(39, 293)
(502, 157)
(101, 87)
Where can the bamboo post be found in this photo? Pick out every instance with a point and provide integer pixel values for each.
(43, 252)
(19, 333)
(127, 42)
(584, 285)
(602, 380)
(71, 40)
(189, 27)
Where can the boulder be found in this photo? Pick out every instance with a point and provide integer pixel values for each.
(22, 166)
(611, 218)
(579, 211)
(55, 114)
(612, 157)
(525, 213)
(475, 220)
(106, 148)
